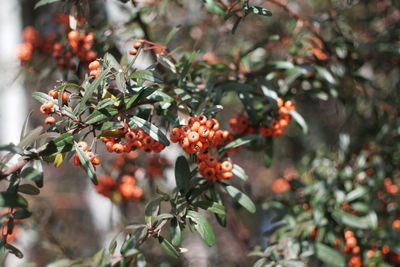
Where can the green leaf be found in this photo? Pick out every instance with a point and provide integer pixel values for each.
(241, 198)
(11, 148)
(44, 2)
(147, 75)
(182, 174)
(13, 250)
(299, 120)
(106, 102)
(30, 137)
(113, 244)
(90, 89)
(150, 129)
(86, 164)
(214, 7)
(326, 75)
(33, 174)
(112, 62)
(202, 226)
(25, 126)
(22, 214)
(186, 66)
(268, 153)
(260, 11)
(176, 232)
(356, 193)
(42, 98)
(364, 222)
(60, 144)
(12, 200)
(329, 255)
(28, 189)
(211, 206)
(151, 211)
(168, 247)
(101, 114)
(241, 141)
(239, 172)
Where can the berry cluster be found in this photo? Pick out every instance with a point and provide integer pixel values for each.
(131, 139)
(156, 165)
(279, 125)
(124, 189)
(135, 48)
(79, 44)
(95, 160)
(200, 135)
(94, 68)
(390, 187)
(31, 40)
(48, 107)
(211, 169)
(240, 124)
(353, 249)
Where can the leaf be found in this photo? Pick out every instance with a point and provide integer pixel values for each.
(260, 11)
(239, 172)
(211, 206)
(214, 7)
(25, 126)
(176, 232)
(30, 137)
(202, 226)
(28, 189)
(356, 193)
(241, 141)
(168, 247)
(60, 144)
(182, 174)
(299, 120)
(364, 222)
(326, 75)
(86, 164)
(22, 214)
(147, 75)
(166, 63)
(112, 62)
(329, 255)
(241, 198)
(90, 89)
(150, 129)
(58, 160)
(151, 211)
(12, 200)
(44, 2)
(13, 250)
(268, 153)
(11, 148)
(186, 66)
(106, 102)
(99, 115)
(171, 34)
(113, 244)
(42, 98)
(32, 174)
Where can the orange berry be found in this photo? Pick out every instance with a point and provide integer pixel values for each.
(83, 145)
(95, 160)
(370, 253)
(73, 36)
(148, 141)
(226, 166)
(53, 93)
(50, 120)
(202, 119)
(94, 65)
(396, 224)
(212, 161)
(118, 148)
(133, 51)
(193, 137)
(130, 136)
(137, 44)
(356, 250)
(227, 175)
(195, 126)
(65, 97)
(140, 134)
(94, 73)
(351, 242)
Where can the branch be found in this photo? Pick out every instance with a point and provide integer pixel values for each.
(19, 165)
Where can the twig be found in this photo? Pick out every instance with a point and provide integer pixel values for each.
(19, 165)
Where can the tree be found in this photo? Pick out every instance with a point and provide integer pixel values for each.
(337, 203)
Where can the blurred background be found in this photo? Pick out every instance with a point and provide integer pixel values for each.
(72, 220)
